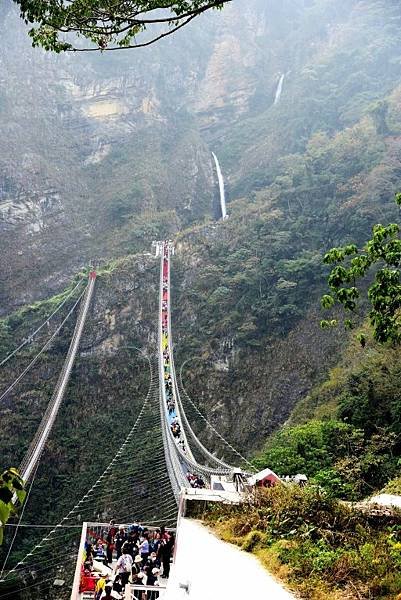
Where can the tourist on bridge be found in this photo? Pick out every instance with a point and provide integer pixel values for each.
(120, 538)
(165, 552)
(107, 593)
(124, 566)
(99, 551)
(131, 544)
(144, 547)
(176, 430)
(117, 585)
(89, 553)
(138, 580)
(109, 548)
(152, 579)
(135, 527)
(137, 566)
(110, 542)
(112, 528)
(199, 483)
(155, 544)
(100, 586)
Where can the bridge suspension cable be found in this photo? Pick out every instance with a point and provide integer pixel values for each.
(179, 456)
(203, 450)
(39, 441)
(32, 335)
(211, 427)
(134, 483)
(42, 350)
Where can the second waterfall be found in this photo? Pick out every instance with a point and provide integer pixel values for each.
(221, 187)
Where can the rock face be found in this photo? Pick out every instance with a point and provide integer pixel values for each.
(89, 145)
(103, 154)
(94, 147)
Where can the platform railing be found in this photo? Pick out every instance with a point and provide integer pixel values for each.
(91, 532)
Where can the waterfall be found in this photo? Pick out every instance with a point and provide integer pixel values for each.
(221, 187)
(279, 89)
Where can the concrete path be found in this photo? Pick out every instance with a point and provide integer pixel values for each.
(207, 568)
(389, 500)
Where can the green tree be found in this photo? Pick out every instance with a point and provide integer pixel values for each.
(348, 459)
(382, 253)
(108, 24)
(11, 484)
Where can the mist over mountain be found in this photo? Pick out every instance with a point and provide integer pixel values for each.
(92, 142)
(103, 153)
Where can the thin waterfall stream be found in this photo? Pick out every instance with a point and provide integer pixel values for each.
(221, 187)
(279, 89)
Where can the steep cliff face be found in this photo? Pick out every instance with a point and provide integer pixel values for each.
(102, 154)
(106, 390)
(106, 153)
(98, 159)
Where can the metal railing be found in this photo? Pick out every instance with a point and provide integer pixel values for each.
(35, 449)
(179, 459)
(92, 532)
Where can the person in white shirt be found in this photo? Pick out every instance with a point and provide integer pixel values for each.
(124, 566)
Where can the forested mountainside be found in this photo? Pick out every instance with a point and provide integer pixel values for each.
(107, 153)
(117, 150)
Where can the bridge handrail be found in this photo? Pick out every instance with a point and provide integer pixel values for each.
(35, 449)
(45, 322)
(176, 457)
(176, 475)
(195, 438)
(171, 356)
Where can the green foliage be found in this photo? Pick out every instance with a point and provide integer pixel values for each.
(320, 547)
(393, 486)
(34, 314)
(302, 449)
(348, 459)
(107, 25)
(11, 484)
(383, 251)
(300, 183)
(371, 399)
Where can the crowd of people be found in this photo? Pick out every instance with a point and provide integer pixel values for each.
(126, 554)
(168, 381)
(195, 481)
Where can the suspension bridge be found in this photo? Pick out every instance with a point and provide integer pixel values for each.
(159, 468)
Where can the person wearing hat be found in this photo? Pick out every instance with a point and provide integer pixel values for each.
(137, 566)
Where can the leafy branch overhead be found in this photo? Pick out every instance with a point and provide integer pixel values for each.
(351, 264)
(11, 484)
(108, 24)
